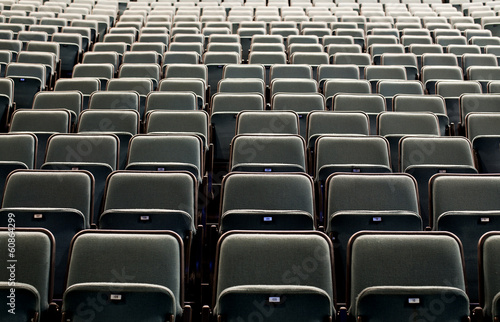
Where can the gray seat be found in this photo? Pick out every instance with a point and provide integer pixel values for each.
(156, 294)
(356, 202)
(130, 204)
(372, 104)
(310, 297)
(86, 86)
(29, 79)
(482, 130)
(32, 287)
(267, 122)
(68, 100)
(100, 157)
(275, 153)
(60, 201)
(376, 285)
(488, 246)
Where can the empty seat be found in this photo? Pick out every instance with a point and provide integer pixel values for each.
(122, 123)
(150, 71)
(372, 104)
(422, 157)
(258, 210)
(43, 123)
(267, 122)
(488, 247)
(482, 130)
(451, 91)
(308, 297)
(390, 88)
(167, 153)
(299, 103)
(276, 153)
(29, 79)
(103, 72)
(155, 292)
(195, 85)
(84, 85)
(361, 60)
(356, 202)
(465, 206)
(119, 100)
(394, 125)
(32, 293)
(60, 201)
(293, 85)
(96, 153)
(424, 103)
(376, 73)
(431, 74)
(68, 100)
(390, 282)
(129, 202)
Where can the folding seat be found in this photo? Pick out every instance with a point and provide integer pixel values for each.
(394, 125)
(409, 61)
(14, 46)
(390, 88)
(422, 157)
(357, 34)
(313, 294)
(267, 122)
(376, 73)
(143, 86)
(103, 72)
(482, 42)
(267, 47)
(372, 104)
(339, 40)
(6, 100)
(67, 100)
(225, 107)
(293, 85)
(46, 59)
(18, 152)
(215, 62)
(275, 153)
(466, 206)
(121, 38)
(26, 36)
(122, 123)
(481, 129)
(242, 85)
(187, 71)
(392, 287)
(181, 122)
(267, 59)
(32, 293)
(477, 103)
(483, 60)
(349, 154)
(92, 25)
(95, 153)
(431, 74)
(171, 101)
(312, 59)
(303, 39)
(336, 86)
(451, 91)
(143, 57)
(407, 40)
(163, 152)
(60, 201)
(60, 23)
(377, 50)
(328, 123)
(180, 57)
(332, 49)
(290, 71)
(424, 103)
(300, 47)
(430, 59)
(302, 104)
(102, 57)
(85, 85)
(189, 38)
(156, 290)
(149, 71)
(155, 47)
(115, 100)
(29, 79)
(85, 32)
(488, 283)
(15, 28)
(361, 60)
(325, 72)
(196, 85)
(70, 50)
(376, 201)
(128, 203)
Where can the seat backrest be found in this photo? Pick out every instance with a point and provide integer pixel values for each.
(257, 191)
(36, 247)
(479, 124)
(70, 100)
(18, 147)
(454, 192)
(274, 248)
(290, 71)
(166, 251)
(101, 148)
(488, 278)
(187, 71)
(242, 85)
(171, 101)
(192, 122)
(114, 100)
(143, 86)
(441, 268)
(444, 151)
(260, 122)
(293, 85)
(85, 85)
(236, 102)
(102, 71)
(407, 123)
(244, 71)
(368, 103)
(419, 103)
(371, 192)
(55, 121)
(50, 189)
(112, 121)
(478, 103)
(300, 103)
